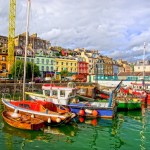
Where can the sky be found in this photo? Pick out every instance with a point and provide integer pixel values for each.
(117, 28)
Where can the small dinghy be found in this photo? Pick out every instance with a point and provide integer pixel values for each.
(20, 121)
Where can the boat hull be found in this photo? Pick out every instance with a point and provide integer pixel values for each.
(28, 124)
(129, 105)
(102, 112)
(49, 118)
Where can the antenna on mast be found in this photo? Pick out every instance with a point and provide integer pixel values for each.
(144, 65)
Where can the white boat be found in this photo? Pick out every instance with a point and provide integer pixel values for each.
(57, 94)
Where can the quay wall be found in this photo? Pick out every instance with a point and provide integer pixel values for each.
(114, 83)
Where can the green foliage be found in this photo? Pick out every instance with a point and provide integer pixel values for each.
(64, 73)
(18, 67)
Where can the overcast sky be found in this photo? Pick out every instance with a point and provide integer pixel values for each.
(117, 28)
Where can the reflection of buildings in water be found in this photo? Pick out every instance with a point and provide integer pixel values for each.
(144, 133)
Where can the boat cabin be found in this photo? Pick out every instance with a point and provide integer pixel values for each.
(58, 94)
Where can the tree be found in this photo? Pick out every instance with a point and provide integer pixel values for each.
(18, 67)
(64, 73)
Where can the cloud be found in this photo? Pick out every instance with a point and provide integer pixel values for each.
(115, 28)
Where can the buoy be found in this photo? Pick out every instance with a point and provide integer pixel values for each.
(58, 120)
(81, 112)
(49, 120)
(32, 116)
(81, 119)
(94, 113)
(94, 122)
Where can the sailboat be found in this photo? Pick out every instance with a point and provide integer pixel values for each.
(47, 111)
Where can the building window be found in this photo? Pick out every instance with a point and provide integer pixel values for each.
(47, 61)
(37, 61)
(42, 68)
(3, 58)
(42, 61)
(3, 66)
(32, 60)
(47, 68)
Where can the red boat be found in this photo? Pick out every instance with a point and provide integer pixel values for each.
(46, 111)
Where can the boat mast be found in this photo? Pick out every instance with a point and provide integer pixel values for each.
(144, 65)
(26, 47)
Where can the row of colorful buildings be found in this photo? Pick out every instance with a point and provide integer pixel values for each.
(89, 64)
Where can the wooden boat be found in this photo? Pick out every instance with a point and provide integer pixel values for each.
(88, 91)
(92, 92)
(22, 121)
(46, 111)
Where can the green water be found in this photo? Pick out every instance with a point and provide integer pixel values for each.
(129, 131)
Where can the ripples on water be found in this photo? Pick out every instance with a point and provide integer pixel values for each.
(129, 131)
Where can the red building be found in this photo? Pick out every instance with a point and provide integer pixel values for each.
(83, 68)
(83, 71)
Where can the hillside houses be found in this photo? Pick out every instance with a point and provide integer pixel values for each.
(52, 60)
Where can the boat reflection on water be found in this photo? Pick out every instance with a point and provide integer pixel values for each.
(136, 115)
(95, 121)
(27, 134)
(65, 130)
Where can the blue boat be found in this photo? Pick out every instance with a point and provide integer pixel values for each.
(100, 108)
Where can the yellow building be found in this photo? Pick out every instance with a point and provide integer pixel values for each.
(3, 56)
(69, 64)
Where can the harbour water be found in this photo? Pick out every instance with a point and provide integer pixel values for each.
(128, 131)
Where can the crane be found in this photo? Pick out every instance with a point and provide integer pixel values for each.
(11, 32)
